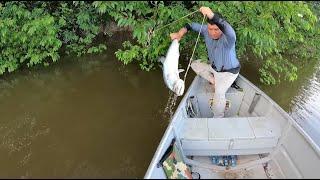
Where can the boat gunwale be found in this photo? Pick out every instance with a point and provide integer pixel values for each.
(170, 127)
(287, 116)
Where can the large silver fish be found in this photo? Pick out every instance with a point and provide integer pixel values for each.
(170, 69)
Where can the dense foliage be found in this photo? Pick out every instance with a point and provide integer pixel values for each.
(279, 34)
(33, 32)
(26, 36)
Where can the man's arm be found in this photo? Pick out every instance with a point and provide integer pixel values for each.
(223, 25)
(226, 28)
(195, 27)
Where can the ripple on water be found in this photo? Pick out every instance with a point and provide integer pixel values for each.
(306, 107)
(17, 136)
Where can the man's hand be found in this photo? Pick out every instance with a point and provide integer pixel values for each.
(178, 35)
(207, 12)
(175, 36)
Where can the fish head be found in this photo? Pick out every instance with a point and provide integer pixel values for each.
(178, 87)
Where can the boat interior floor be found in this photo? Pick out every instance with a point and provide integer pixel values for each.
(262, 171)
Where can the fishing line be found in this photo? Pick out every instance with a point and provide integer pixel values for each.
(176, 20)
(185, 75)
(151, 33)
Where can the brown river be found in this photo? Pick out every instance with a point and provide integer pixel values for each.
(93, 117)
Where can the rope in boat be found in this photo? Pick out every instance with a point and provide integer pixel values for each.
(185, 75)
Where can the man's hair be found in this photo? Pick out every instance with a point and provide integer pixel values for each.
(217, 20)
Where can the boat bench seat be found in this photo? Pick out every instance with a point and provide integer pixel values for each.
(229, 136)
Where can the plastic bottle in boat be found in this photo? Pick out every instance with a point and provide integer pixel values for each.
(233, 160)
(225, 160)
(214, 159)
(220, 161)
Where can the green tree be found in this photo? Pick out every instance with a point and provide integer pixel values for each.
(279, 34)
(78, 25)
(27, 37)
(33, 32)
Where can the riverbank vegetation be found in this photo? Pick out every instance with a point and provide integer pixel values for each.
(278, 34)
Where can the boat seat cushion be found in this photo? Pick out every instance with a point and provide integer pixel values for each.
(237, 134)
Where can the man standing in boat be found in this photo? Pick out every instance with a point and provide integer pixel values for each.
(223, 67)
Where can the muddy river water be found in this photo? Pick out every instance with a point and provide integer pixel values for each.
(95, 117)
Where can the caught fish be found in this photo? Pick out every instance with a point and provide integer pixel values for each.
(170, 69)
